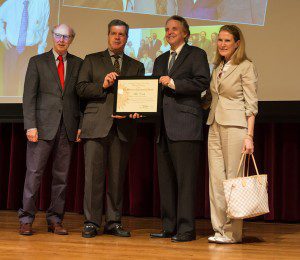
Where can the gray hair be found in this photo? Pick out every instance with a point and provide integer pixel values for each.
(184, 24)
(70, 29)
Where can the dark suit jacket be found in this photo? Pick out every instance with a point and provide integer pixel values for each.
(181, 108)
(154, 48)
(44, 102)
(97, 120)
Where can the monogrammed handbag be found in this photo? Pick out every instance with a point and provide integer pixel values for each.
(246, 196)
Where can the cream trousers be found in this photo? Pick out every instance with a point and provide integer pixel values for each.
(224, 153)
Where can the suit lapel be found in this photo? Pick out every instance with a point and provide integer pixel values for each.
(224, 76)
(107, 62)
(164, 63)
(125, 65)
(217, 81)
(228, 72)
(52, 65)
(183, 53)
(70, 65)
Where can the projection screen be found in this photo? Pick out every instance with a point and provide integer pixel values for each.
(262, 22)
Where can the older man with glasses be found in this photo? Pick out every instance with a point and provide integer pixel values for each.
(51, 121)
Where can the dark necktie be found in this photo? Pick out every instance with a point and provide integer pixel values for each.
(23, 29)
(117, 64)
(61, 71)
(172, 61)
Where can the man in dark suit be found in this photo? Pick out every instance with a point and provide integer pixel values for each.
(51, 120)
(184, 74)
(107, 138)
(154, 46)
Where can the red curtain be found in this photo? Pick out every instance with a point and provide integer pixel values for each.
(277, 152)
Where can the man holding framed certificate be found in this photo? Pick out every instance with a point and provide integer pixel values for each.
(184, 74)
(107, 138)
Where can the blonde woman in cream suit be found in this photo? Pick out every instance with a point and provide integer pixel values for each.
(232, 114)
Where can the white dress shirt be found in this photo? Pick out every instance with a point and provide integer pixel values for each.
(64, 60)
(38, 15)
(178, 50)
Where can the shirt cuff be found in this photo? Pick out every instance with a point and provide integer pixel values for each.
(251, 112)
(171, 84)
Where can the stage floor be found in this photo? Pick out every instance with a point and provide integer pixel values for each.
(262, 241)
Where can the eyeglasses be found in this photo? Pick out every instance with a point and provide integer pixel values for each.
(58, 36)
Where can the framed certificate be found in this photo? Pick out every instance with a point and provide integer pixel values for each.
(137, 95)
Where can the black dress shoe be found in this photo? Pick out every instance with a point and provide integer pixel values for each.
(89, 230)
(116, 230)
(162, 234)
(185, 237)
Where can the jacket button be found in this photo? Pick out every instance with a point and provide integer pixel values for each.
(59, 111)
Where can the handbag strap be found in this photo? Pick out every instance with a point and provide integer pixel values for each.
(254, 163)
(243, 159)
(248, 163)
(240, 164)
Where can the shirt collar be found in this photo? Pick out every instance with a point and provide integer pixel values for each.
(56, 55)
(228, 63)
(178, 50)
(111, 54)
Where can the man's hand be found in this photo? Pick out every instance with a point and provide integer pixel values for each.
(109, 79)
(118, 117)
(135, 116)
(32, 135)
(167, 82)
(6, 44)
(78, 139)
(132, 116)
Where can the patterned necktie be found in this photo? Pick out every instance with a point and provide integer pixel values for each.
(172, 61)
(61, 71)
(23, 29)
(117, 64)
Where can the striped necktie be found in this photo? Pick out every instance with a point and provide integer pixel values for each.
(172, 61)
(117, 64)
(23, 29)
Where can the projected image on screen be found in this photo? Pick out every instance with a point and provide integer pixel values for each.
(235, 11)
(24, 29)
(147, 44)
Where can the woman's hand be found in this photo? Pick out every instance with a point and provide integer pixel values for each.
(248, 146)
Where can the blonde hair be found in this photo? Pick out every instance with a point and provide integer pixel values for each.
(240, 53)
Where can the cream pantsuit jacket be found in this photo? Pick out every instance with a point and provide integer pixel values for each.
(234, 98)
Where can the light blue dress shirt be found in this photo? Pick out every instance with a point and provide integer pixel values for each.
(37, 31)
